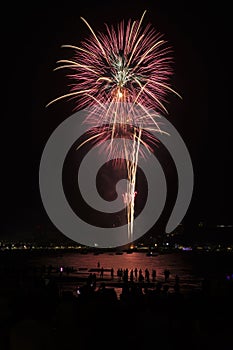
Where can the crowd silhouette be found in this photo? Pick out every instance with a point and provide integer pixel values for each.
(39, 313)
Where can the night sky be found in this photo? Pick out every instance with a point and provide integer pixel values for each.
(32, 37)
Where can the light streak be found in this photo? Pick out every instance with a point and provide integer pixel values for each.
(127, 64)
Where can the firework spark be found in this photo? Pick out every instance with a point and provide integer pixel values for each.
(125, 65)
(128, 63)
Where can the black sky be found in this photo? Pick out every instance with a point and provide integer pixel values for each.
(32, 36)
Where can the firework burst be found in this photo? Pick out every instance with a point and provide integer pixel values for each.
(125, 65)
(128, 63)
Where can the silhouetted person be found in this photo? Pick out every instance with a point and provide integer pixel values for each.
(131, 276)
(125, 275)
(101, 272)
(89, 279)
(112, 273)
(166, 274)
(147, 275)
(120, 274)
(140, 277)
(136, 273)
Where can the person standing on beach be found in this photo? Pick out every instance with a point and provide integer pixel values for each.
(131, 275)
(140, 277)
(147, 275)
(136, 273)
(166, 275)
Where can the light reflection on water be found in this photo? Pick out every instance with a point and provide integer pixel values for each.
(178, 264)
(174, 262)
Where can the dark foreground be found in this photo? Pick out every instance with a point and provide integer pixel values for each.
(35, 315)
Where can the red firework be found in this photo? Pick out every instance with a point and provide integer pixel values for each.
(127, 63)
(113, 71)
